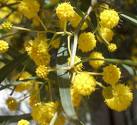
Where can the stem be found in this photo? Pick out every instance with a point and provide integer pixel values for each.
(95, 73)
(65, 27)
(74, 49)
(15, 118)
(62, 68)
(50, 91)
(100, 84)
(42, 23)
(50, 31)
(69, 50)
(115, 61)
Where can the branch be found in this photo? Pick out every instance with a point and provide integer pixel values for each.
(115, 61)
(74, 49)
(15, 118)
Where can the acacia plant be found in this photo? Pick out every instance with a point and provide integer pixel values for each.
(60, 53)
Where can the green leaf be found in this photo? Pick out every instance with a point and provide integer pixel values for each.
(66, 99)
(7, 69)
(130, 69)
(64, 85)
(130, 18)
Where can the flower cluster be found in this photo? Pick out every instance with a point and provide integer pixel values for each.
(56, 54)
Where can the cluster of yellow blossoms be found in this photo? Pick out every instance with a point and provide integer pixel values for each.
(37, 49)
(108, 19)
(43, 112)
(65, 12)
(117, 96)
(83, 83)
(29, 8)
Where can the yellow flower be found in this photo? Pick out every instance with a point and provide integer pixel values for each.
(111, 74)
(76, 20)
(12, 104)
(96, 63)
(24, 85)
(3, 46)
(55, 43)
(75, 97)
(65, 11)
(6, 25)
(29, 8)
(23, 122)
(86, 42)
(76, 60)
(43, 112)
(112, 47)
(42, 71)
(84, 83)
(118, 97)
(106, 33)
(38, 51)
(109, 18)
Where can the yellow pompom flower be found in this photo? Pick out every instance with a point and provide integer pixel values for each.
(38, 51)
(86, 42)
(29, 8)
(23, 122)
(75, 97)
(6, 25)
(96, 63)
(12, 104)
(84, 83)
(55, 43)
(111, 74)
(4, 46)
(118, 97)
(109, 18)
(112, 47)
(42, 113)
(24, 85)
(106, 33)
(42, 71)
(65, 11)
(76, 60)
(76, 20)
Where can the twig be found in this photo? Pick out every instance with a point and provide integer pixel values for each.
(74, 49)
(115, 61)
(15, 118)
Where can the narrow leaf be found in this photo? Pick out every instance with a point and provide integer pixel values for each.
(64, 85)
(130, 18)
(7, 69)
